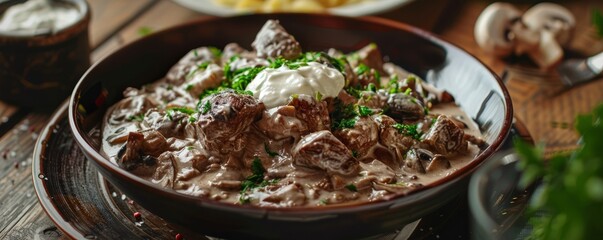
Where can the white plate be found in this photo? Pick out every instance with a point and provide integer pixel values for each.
(353, 10)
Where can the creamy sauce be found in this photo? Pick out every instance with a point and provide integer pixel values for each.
(273, 87)
(38, 16)
(306, 155)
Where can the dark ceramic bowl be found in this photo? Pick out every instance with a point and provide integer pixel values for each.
(476, 89)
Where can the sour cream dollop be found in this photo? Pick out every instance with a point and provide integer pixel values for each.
(274, 86)
(38, 16)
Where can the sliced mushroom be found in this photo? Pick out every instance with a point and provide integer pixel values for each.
(437, 163)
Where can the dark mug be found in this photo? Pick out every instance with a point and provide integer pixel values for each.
(41, 69)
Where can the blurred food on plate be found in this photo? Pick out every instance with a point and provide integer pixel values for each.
(285, 5)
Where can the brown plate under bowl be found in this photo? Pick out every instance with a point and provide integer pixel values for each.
(478, 91)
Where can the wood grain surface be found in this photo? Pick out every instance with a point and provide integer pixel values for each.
(547, 109)
(547, 112)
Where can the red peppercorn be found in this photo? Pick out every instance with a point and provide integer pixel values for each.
(137, 216)
(179, 236)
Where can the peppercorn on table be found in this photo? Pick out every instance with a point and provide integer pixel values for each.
(546, 110)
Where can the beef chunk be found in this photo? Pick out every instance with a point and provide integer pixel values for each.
(445, 138)
(392, 138)
(374, 100)
(226, 117)
(273, 41)
(361, 137)
(142, 149)
(190, 62)
(314, 113)
(281, 122)
(370, 56)
(324, 151)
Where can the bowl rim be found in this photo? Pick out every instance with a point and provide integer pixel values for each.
(396, 201)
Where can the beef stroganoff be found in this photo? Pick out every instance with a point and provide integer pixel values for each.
(276, 126)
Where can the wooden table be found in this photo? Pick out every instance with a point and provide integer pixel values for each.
(116, 22)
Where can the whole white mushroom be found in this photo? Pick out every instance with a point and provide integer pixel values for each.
(553, 18)
(500, 30)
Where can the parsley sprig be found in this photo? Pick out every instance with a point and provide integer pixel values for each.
(254, 181)
(410, 130)
(568, 203)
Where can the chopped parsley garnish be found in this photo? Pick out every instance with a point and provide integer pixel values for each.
(220, 89)
(136, 118)
(377, 76)
(392, 86)
(269, 152)
(318, 96)
(185, 110)
(144, 31)
(355, 92)
(190, 148)
(206, 107)
(192, 119)
(255, 180)
(201, 66)
(351, 187)
(189, 87)
(597, 21)
(215, 51)
(371, 87)
(354, 153)
(364, 111)
(343, 116)
(346, 123)
(243, 77)
(410, 130)
(362, 69)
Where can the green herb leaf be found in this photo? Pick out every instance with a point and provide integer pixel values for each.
(185, 110)
(144, 31)
(206, 107)
(343, 115)
(351, 187)
(567, 203)
(597, 21)
(362, 69)
(364, 111)
(136, 118)
(215, 51)
(410, 130)
(243, 77)
(255, 180)
(371, 87)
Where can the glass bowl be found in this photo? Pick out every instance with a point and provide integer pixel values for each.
(496, 201)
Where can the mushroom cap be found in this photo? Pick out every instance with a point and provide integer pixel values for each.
(551, 17)
(492, 26)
